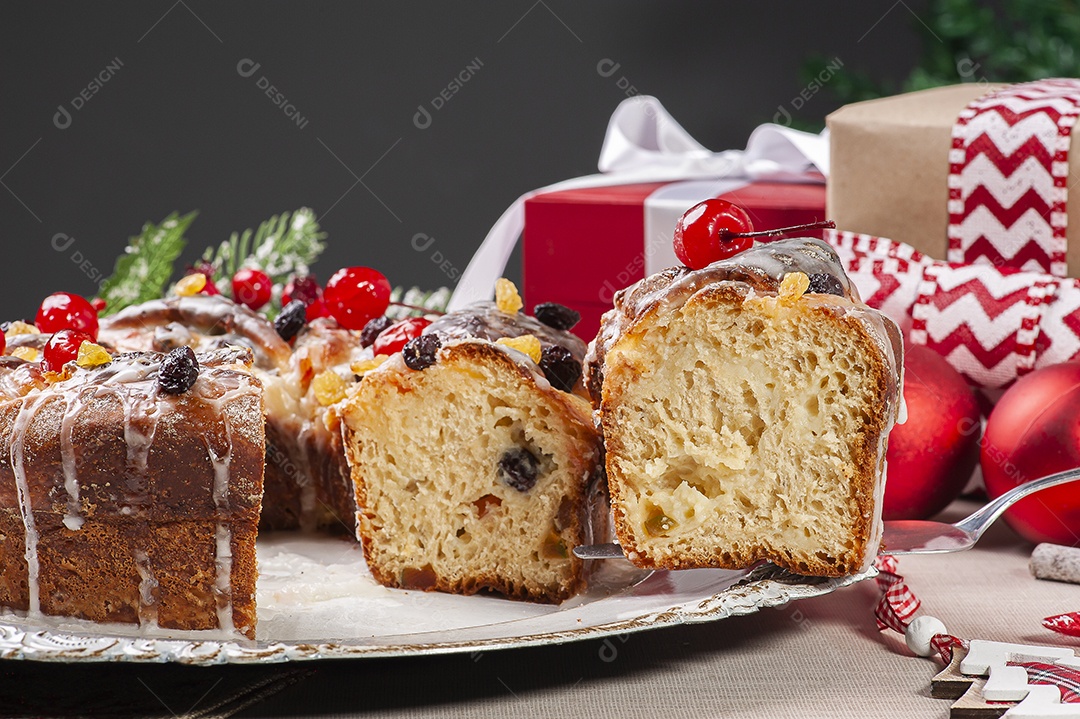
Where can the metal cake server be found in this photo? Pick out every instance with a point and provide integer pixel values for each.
(915, 536)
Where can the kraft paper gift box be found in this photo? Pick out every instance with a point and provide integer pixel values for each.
(890, 165)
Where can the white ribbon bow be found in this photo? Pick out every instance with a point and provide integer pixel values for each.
(645, 144)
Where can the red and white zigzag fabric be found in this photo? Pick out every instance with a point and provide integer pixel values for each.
(1008, 177)
(993, 324)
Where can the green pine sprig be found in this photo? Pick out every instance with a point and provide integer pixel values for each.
(434, 301)
(284, 245)
(146, 266)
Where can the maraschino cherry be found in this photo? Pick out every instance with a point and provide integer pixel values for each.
(66, 311)
(252, 288)
(62, 347)
(356, 295)
(397, 335)
(704, 234)
(716, 229)
(305, 288)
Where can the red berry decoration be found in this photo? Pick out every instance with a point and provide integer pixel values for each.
(3, 343)
(98, 304)
(65, 311)
(306, 289)
(394, 337)
(705, 233)
(1033, 431)
(356, 295)
(62, 347)
(251, 288)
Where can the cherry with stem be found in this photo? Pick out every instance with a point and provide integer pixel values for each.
(726, 234)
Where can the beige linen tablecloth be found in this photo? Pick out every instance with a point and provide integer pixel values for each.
(821, 657)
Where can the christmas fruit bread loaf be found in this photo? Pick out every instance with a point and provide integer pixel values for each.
(112, 507)
(307, 480)
(476, 462)
(745, 408)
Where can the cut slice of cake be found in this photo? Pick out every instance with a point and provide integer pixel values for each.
(745, 409)
(132, 493)
(472, 471)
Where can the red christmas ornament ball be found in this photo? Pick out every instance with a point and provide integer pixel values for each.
(932, 455)
(1033, 431)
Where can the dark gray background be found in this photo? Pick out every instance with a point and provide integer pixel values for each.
(178, 128)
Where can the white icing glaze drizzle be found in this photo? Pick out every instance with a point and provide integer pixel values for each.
(148, 584)
(73, 406)
(17, 456)
(305, 481)
(206, 390)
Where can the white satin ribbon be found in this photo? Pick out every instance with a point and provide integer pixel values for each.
(645, 144)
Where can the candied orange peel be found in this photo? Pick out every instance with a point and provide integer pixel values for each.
(92, 355)
(191, 285)
(507, 298)
(27, 354)
(18, 327)
(329, 388)
(365, 366)
(793, 286)
(526, 344)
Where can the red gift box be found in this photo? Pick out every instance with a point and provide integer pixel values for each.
(583, 245)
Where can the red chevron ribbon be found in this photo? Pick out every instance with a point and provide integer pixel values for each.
(1008, 177)
(993, 324)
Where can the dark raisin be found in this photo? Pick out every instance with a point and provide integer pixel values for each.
(291, 320)
(557, 316)
(519, 468)
(373, 329)
(560, 367)
(825, 284)
(419, 352)
(178, 372)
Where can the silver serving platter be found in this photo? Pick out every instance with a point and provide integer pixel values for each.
(316, 600)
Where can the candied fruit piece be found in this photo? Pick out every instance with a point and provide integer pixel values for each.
(364, 366)
(793, 286)
(373, 329)
(519, 468)
(507, 298)
(554, 548)
(824, 283)
(659, 524)
(526, 344)
(560, 367)
(18, 327)
(329, 388)
(28, 354)
(178, 372)
(423, 578)
(291, 320)
(190, 285)
(92, 355)
(420, 352)
(556, 316)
